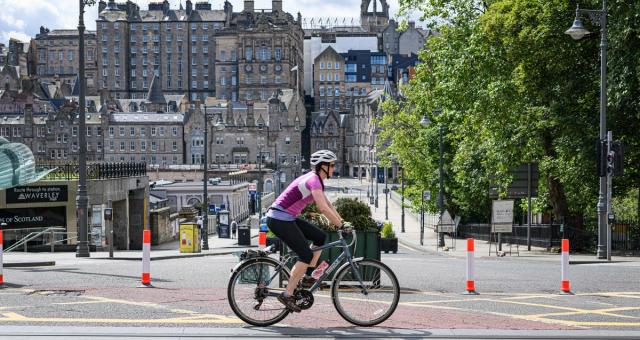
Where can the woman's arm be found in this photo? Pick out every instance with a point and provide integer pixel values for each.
(325, 207)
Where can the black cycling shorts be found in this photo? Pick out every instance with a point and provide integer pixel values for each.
(296, 234)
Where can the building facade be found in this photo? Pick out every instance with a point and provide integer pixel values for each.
(198, 51)
(54, 57)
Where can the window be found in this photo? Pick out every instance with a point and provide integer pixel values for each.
(153, 131)
(337, 77)
(154, 146)
(162, 131)
(143, 146)
(287, 140)
(322, 66)
(321, 91)
(74, 131)
(174, 131)
(337, 66)
(174, 145)
(278, 53)
(89, 131)
(132, 131)
(132, 146)
(143, 132)
(329, 66)
(121, 146)
(248, 53)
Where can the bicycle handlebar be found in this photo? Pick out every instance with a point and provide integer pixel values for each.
(342, 232)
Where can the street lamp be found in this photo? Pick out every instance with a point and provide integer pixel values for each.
(82, 200)
(425, 122)
(260, 179)
(205, 185)
(577, 31)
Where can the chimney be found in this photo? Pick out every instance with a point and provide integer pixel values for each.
(248, 6)
(102, 6)
(166, 7)
(276, 5)
(189, 7)
(412, 24)
(229, 112)
(250, 119)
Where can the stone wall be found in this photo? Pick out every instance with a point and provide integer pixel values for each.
(160, 224)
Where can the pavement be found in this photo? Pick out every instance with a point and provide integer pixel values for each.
(49, 332)
(410, 238)
(170, 250)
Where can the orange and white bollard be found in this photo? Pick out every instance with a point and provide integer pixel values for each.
(146, 259)
(564, 283)
(1, 250)
(471, 286)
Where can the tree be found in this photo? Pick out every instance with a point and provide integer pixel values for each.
(512, 88)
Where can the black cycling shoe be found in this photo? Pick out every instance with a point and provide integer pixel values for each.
(289, 302)
(307, 282)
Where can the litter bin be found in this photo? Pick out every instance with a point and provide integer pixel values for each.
(224, 231)
(244, 235)
(189, 238)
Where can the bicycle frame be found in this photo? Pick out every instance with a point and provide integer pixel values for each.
(346, 253)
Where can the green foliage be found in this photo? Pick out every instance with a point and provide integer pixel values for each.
(387, 230)
(513, 88)
(626, 207)
(356, 212)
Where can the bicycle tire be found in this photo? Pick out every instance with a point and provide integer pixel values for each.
(236, 277)
(342, 275)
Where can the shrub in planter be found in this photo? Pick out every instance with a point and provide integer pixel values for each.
(388, 239)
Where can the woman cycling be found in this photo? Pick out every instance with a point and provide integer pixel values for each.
(282, 220)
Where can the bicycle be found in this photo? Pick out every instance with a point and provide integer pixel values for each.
(253, 299)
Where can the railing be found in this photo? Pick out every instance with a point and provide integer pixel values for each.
(31, 236)
(94, 171)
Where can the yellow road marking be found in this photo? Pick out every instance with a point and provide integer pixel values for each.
(189, 320)
(594, 311)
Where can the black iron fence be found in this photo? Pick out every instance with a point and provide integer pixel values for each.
(94, 171)
(542, 235)
(625, 236)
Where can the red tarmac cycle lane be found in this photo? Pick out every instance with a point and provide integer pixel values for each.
(209, 307)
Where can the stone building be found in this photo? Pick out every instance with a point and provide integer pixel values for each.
(54, 57)
(198, 51)
(18, 56)
(271, 129)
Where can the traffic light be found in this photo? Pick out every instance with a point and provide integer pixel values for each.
(601, 157)
(617, 148)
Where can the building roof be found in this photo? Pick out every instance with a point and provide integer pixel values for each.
(147, 117)
(155, 94)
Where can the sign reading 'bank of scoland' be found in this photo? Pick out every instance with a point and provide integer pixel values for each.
(37, 194)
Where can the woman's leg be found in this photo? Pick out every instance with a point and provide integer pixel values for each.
(290, 233)
(317, 237)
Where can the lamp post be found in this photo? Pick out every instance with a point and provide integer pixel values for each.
(577, 32)
(386, 194)
(205, 185)
(402, 201)
(82, 200)
(260, 179)
(425, 122)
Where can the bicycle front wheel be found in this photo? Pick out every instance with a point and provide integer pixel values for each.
(250, 293)
(367, 295)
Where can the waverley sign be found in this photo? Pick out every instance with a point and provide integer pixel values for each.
(37, 194)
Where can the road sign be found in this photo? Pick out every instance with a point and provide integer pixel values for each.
(426, 195)
(502, 216)
(518, 188)
(446, 224)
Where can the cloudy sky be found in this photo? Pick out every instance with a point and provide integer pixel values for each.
(22, 19)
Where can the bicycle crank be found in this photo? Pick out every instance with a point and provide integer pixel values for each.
(304, 299)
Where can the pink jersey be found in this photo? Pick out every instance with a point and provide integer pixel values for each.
(296, 197)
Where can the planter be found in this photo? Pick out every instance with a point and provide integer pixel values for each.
(367, 246)
(389, 245)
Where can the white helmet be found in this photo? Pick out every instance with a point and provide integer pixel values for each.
(323, 156)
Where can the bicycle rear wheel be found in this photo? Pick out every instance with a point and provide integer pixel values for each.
(247, 292)
(371, 302)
